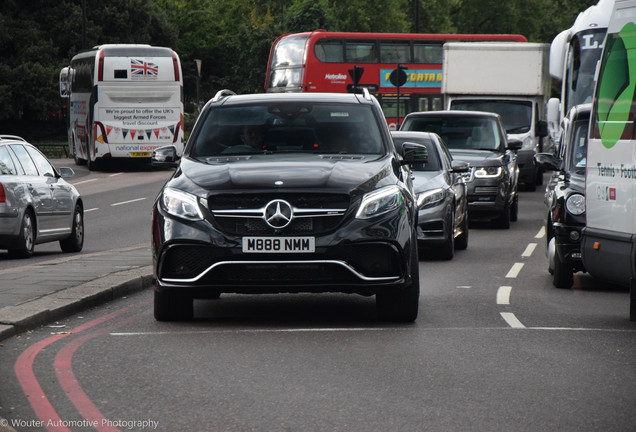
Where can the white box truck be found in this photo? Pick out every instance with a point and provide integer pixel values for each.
(510, 79)
(609, 238)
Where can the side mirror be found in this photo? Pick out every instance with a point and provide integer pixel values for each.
(553, 116)
(514, 144)
(542, 128)
(66, 172)
(65, 82)
(548, 162)
(413, 153)
(165, 157)
(460, 166)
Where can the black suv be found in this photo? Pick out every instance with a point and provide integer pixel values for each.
(565, 197)
(478, 138)
(287, 193)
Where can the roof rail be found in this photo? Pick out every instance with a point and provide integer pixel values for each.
(12, 137)
(365, 92)
(221, 94)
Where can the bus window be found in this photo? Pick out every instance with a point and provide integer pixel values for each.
(329, 50)
(437, 104)
(361, 52)
(422, 104)
(427, 53)
(395, 52)
(389, 107)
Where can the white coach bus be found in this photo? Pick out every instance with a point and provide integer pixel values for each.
(124, 101)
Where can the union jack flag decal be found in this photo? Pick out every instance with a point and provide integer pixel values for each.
(141, 68)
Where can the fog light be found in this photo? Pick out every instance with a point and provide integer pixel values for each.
(575, 235)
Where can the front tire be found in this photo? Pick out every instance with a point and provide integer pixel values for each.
(170, 307)
(563, 274)
(26, 241)
(75, 241)
(503, 221)
(401, 304)
(461, 242)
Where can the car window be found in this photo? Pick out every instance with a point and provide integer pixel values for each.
(7, 167)
(459, 133)
(25, 160)
(44, 166)
(274, 128)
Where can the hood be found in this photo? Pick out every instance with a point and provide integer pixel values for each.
(286, 171)
(479, 158)
(427, 180)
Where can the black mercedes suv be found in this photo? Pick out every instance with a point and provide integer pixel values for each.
(287, 193)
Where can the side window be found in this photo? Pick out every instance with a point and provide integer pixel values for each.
(361, 52)
(329, 50)
(44, 166)
(25, 160)
(395, 52)
(6, 163)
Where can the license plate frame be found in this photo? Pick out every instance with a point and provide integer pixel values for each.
(261, 244)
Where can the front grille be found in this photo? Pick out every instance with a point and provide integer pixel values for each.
(242, 214)
(486, 190)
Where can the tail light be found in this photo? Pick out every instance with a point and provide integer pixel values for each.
(100, 66)
(175, 62)
(3, 196)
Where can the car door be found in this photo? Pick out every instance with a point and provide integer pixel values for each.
(38, 189)
(61, 193)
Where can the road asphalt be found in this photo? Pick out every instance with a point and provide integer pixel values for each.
(33, 295)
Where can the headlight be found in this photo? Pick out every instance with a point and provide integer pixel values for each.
(379, 202)
(488, 172)
(575, 204)
(430, 198)
(181, 204)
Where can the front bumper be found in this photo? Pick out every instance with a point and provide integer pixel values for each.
(567, 242)
(196, 259)
(487, 197)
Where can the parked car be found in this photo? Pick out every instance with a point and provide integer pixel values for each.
(565, 197)
(36, 204)
(479, 139)
(287, 193)
(440, 193)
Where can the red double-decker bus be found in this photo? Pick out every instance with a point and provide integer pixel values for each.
(320, 61)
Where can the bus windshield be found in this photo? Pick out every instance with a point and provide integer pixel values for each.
(584, 52)
(286, 63)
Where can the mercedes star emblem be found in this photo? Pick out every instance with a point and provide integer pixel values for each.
(278, 213)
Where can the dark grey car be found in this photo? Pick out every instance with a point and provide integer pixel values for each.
(480, 139)
(440, 193)
(36, 204)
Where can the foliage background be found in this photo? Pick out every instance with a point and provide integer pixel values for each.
(231, 37)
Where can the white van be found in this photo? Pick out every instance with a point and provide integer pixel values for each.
(609, 238)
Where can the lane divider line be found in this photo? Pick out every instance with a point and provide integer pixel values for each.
(503, 295)
(514, 270)
(541, 233)
(127, 202)
(529, 250)
(512, 320)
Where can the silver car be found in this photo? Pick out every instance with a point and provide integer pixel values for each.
(36, 204)
(440, 190)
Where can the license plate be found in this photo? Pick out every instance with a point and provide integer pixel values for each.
(140, 154)
(279, 244)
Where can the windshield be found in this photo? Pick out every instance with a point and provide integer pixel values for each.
(459, 133)
(578, 153)
(287, 61)
(516, 115)
(297, 127)
(584, 52)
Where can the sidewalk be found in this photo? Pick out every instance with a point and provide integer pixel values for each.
(32, 295)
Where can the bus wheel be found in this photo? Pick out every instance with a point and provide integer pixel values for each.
(92, 165)
(78, 160)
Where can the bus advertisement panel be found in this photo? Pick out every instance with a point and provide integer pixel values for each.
(321, 61)
(124, 102)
